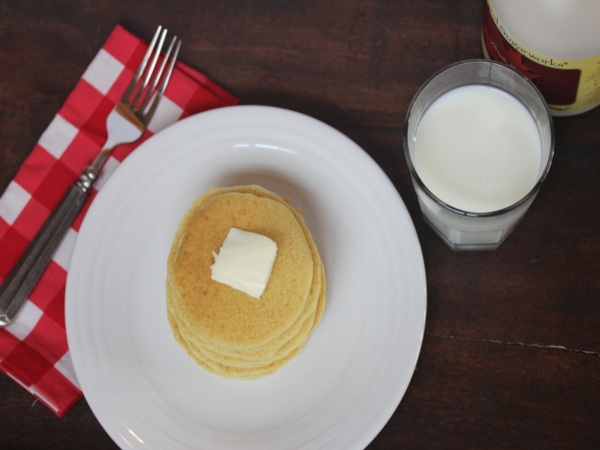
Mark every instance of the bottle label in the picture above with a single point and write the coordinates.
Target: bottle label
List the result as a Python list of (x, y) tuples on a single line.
[(569, 86)]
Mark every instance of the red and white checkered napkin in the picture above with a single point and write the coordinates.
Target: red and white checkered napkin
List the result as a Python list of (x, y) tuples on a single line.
[(33, 349)]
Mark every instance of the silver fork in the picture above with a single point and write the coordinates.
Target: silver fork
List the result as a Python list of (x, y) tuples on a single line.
[(125, 123)]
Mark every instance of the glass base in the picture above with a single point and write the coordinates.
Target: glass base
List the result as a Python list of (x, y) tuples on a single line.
[(464, 247)]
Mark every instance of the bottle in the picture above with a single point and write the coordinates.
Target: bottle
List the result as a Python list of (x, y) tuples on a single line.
[(555, 43)]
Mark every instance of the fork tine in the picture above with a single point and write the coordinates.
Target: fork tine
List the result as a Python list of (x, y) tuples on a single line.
[(165, 81), (142, 87), (142, 66), (157, 77), (163, 84)]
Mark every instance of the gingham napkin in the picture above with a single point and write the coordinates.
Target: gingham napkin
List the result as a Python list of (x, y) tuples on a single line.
[(33, 349)]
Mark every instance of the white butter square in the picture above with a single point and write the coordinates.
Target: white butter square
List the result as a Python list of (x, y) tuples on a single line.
[(245, 262)]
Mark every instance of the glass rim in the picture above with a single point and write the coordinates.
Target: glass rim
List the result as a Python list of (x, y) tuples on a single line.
[(536, 187)]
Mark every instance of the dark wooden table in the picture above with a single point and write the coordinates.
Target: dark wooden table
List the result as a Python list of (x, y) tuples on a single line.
[(511, 355)]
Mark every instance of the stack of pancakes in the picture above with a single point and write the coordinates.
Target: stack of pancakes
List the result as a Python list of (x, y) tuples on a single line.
[(225, 330)]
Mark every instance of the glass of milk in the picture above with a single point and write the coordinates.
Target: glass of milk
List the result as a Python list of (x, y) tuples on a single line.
[(479, 141)]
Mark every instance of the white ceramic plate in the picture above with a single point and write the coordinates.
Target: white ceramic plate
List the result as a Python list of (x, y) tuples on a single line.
[(344, 385)]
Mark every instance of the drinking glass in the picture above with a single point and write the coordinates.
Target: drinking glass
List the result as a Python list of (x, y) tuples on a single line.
[(467, 230)]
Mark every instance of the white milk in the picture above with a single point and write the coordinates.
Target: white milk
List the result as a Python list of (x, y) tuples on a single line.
[(478, 149)]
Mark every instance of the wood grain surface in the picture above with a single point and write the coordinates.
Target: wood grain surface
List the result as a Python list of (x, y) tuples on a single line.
[(511, 355)]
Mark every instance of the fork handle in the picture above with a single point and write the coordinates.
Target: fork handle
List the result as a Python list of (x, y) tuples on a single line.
[(25, 274)]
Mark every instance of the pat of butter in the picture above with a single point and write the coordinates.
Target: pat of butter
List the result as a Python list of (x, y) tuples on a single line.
[(245, 262)]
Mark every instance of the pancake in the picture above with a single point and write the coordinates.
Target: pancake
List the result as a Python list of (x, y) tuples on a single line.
[(260, 358), (219, 313), (316, 298), (225, 330)]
